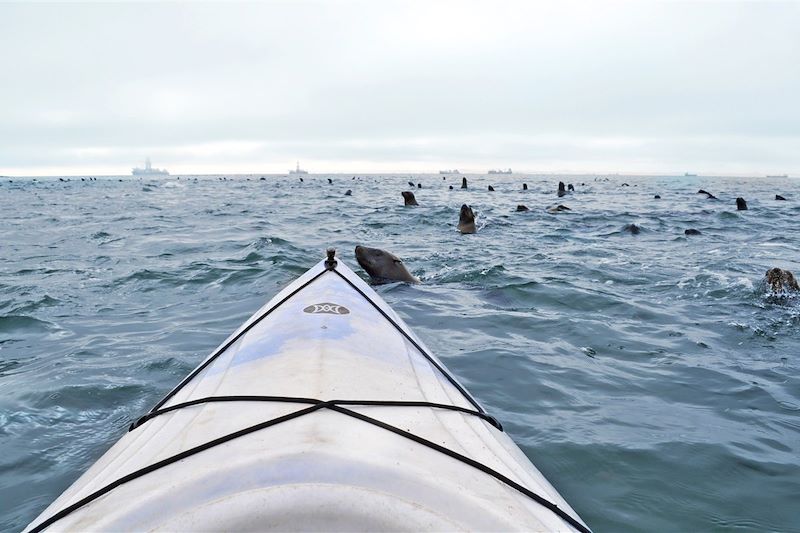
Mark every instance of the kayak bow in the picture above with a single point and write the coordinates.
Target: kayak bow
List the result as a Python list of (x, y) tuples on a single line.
[(323, 411)]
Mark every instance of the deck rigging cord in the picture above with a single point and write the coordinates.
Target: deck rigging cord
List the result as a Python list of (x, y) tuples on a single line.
[(314, 405)]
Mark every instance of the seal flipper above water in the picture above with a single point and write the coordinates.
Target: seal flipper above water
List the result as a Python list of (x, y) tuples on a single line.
[(779, 197), (708, 194), (741, 205)]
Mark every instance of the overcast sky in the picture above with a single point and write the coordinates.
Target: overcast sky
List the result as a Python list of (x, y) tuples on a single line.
[(630, 87)]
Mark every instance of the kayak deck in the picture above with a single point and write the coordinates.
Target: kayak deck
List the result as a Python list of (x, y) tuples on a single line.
[(322, 412)]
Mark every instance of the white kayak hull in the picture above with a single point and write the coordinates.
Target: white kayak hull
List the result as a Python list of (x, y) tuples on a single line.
[(255, 449)]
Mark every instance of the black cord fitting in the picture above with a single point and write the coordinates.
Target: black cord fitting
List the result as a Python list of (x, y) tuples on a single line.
[(330, 263)]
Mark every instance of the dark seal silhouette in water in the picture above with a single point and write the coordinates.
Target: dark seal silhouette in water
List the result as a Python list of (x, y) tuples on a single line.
[(779, 197), (419, 185), (708, 194), (741, 205), (383, 266), (781, 281), (491, 189), (463, 183), (348, 193), (657, 197), (330, 181), (561, 190), (570, 187), (633, 229), (466, 220), (411, 184), (557, 209), (524, 186), (408, 198), (521, 208), (691, 231), (451, 187)]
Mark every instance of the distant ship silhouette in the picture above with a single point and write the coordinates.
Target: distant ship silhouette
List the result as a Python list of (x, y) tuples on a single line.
[(149, 170), (298, 170)]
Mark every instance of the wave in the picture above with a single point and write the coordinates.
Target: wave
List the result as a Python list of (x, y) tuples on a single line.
[(24, 324)]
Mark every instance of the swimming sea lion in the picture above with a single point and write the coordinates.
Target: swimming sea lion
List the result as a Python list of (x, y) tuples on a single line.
[(691, 231), (408, 198), (633, 229), (624, 185), (451, 187), (466, 220), (348, 193), (301, 180), (522, 208), (708, 194), (657, 197), (780, 280), (330, 181), (491, 189), (557, 209), (419, 185), (570, 187), (741, 205), (463, 183), (779, 197), (524, 186), (383, 266), (561, 190), (410, 183)]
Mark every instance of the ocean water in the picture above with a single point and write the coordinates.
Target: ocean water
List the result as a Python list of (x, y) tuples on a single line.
[(650, 377)]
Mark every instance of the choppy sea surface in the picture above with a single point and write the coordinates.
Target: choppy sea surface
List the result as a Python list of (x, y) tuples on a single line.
[(651, 378)]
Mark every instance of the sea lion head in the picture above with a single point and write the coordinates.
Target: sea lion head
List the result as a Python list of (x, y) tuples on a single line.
[(781, 281), (383, 266), (408, 198), (466, 220)]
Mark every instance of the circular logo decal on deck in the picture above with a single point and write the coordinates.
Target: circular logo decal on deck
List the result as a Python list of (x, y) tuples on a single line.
[(326, 308)]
